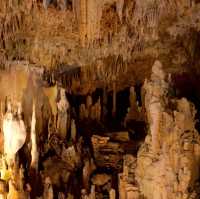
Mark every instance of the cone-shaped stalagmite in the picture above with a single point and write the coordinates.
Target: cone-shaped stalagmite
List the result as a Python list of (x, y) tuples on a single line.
[(167, 162), (34, 148), (63, 117), (156, 91)]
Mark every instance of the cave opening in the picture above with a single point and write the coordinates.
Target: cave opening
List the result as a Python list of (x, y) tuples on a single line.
[(115, 122), (138, 91), (122, 105)]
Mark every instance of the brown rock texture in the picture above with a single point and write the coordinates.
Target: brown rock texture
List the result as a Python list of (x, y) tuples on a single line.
[(99, 99)]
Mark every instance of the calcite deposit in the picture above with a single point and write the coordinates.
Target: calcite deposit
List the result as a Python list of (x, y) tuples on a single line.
[(99, 99), (167, 160)]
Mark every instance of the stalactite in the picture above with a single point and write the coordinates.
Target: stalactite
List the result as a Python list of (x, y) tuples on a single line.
[(90, 17), (62, 4), (46, 3), (82, 17), (74, 7), (52, 94), (120, 5)]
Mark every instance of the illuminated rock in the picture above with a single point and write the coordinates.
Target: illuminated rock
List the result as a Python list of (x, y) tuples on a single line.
[(14, 133)]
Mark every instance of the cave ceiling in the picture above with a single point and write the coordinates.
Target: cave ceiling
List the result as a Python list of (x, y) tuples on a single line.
[(113, 38)]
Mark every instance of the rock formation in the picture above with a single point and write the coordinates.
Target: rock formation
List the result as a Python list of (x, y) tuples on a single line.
[(155, 102), (89, 110), (48, 189), (167, 162), (63, 119), (14, 132), (34, 147), (99, 99)]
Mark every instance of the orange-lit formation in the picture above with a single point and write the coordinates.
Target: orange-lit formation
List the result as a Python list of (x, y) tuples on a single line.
[(99, 99)]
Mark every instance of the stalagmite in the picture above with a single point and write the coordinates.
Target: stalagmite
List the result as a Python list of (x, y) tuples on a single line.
[(173, 172), (122, 185), (88, 168), (7, 126), (98, 110), (21, 178), (14, 132), (5, 173), (84, 194), (13, 193), (73, 130), (90, 111), (3, 190), (61, 195), (82, 110), (86, 174), (34, 148), (156, 91), (132, 97), (92, 192), (63, 107), (134, 112), (88, 106), (112, 194), (93, 112), (89, 102), (48, 189)]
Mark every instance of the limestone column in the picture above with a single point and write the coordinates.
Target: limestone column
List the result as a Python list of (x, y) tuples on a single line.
[(34, 156), (34, 151), (83, 21)]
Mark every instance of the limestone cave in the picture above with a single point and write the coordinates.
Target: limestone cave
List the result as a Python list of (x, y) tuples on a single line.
[(99, 99)]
